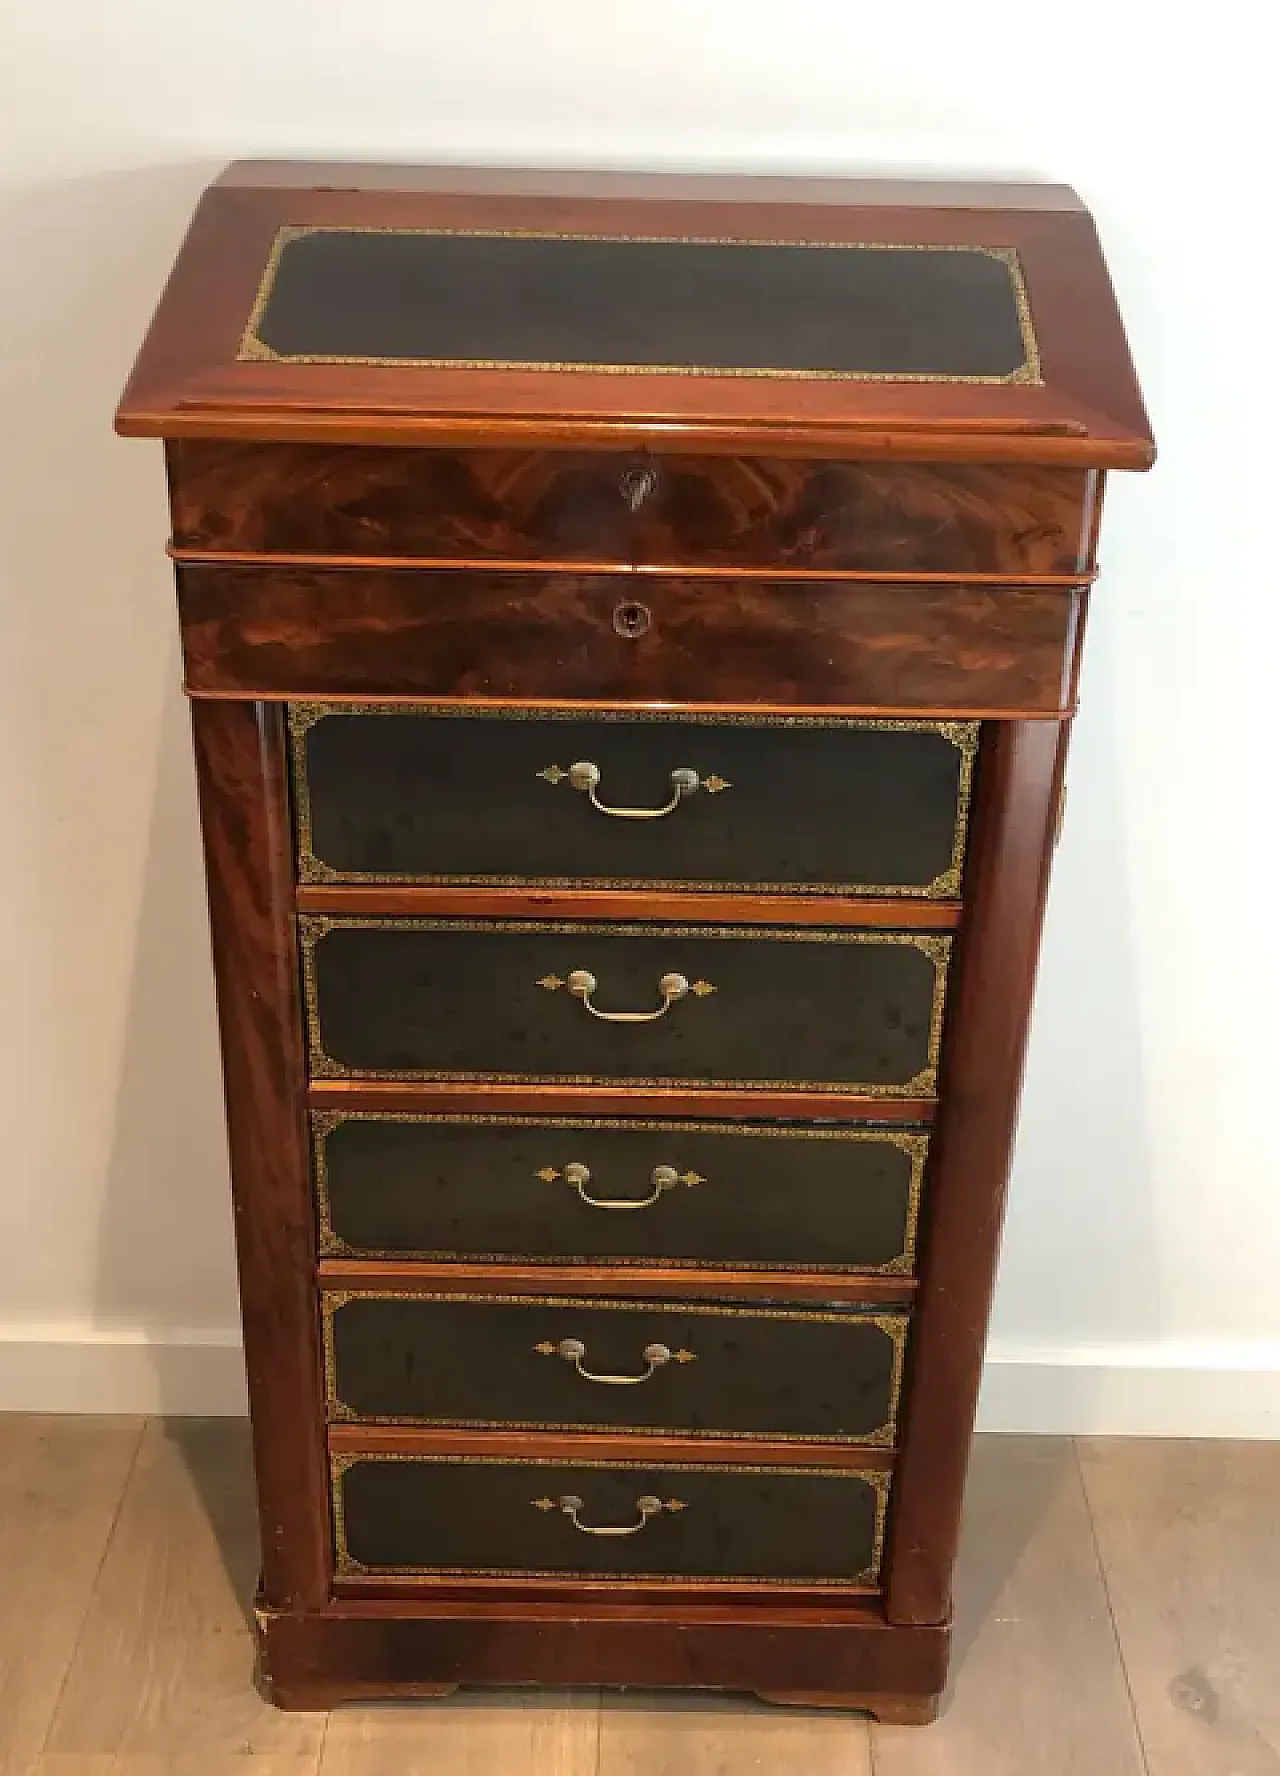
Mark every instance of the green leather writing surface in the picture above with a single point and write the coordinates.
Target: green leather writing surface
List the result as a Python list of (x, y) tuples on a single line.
[(865, 311)]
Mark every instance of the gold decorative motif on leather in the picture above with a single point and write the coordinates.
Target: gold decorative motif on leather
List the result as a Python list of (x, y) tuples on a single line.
[(963, 736), (313, 928), (254, 349), (914, 1144), (879, 1480), (892, 1324)]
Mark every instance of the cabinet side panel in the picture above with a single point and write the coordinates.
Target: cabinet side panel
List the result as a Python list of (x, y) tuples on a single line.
[(1019, 784), (240, 762)]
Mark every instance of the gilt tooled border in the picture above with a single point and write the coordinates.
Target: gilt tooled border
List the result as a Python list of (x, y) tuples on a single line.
[(253, 349), (332, 1245), (346, 1565), (892, 1324), (964, 736), (312, 927)]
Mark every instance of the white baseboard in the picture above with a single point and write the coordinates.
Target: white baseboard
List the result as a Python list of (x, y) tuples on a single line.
[(1209, 1388), (1175, 1388), (85, 1369)]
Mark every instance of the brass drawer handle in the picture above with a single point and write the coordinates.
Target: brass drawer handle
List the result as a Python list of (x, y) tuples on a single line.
[(583, 984), (585, 776), (579, 1176), (648, 1506), (655, 1356)]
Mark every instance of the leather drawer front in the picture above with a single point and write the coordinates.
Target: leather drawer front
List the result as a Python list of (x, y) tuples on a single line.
[(786, 1373), (855, 1011), (280, 631), (775, 1197), (814, 805), (614, 508), (441, 1515)]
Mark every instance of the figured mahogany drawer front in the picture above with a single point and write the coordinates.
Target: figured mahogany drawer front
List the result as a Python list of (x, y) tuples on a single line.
[(274, 631), (614, 508), (612, 1365), (813, 804), (431, 1514), (538, 1189), (858, 1011)]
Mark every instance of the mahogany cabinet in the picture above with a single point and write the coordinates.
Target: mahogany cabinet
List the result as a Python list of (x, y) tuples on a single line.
[(632, 629)]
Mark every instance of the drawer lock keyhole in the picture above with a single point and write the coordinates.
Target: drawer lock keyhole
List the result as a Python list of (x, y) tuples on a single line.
[(632, 619), (637, 484)]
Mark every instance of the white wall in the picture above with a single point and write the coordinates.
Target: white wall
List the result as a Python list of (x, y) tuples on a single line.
[(1138, 1285)]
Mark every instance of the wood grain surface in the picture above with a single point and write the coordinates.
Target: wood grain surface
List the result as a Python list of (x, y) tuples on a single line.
[(142, 1629), (950, 648), (61, 1480), (241, 776), (1084, 408), (981, 1080), (1190, 1543), (768, 513)]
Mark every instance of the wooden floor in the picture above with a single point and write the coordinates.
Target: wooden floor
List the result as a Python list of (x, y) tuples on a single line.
[(1118, 1613)]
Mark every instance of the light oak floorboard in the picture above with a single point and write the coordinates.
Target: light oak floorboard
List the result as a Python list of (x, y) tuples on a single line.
[(133, 1639), (475, 1733), (1190, 1541), (677, 1735), (1037, 1684), (197, 1764), (61, 1482), (165, 1662)]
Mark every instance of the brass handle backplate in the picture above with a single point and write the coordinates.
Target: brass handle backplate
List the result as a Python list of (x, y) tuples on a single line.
[(663, 1177), (582, 985), (647, 1505), (654, 1356), (585, 776)]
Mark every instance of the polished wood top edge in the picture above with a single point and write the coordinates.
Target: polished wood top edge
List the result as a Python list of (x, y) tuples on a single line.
[(891, 711), (190, 379), (534, 1099), (604, 1446), (460, 1276), (874, 441), (625, 182), (409, 901), (780, 576)]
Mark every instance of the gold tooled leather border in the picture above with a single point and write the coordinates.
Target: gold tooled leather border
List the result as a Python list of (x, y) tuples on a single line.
[(893, 1325), (253, 348), (332, 1245), (313, 927), (347, 1566), (964, 736)]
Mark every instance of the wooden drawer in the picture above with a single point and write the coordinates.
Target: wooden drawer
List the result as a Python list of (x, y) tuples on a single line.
[(855, 1011), (613, 508), (569, 1364), (408, 1514), (511, 1189), (960, 647), (814, 805)]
